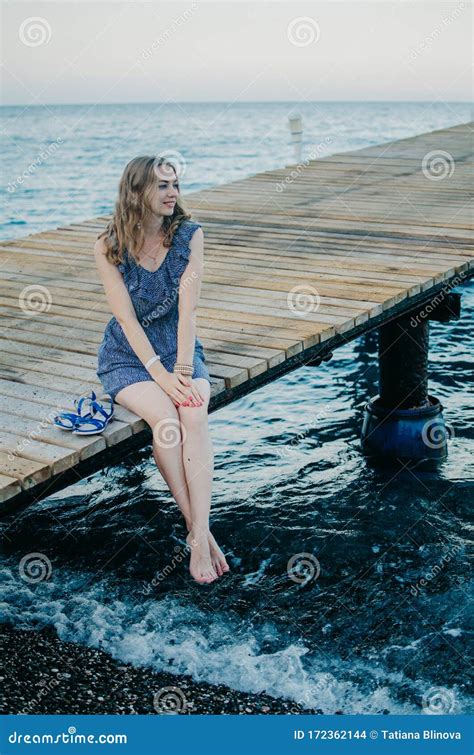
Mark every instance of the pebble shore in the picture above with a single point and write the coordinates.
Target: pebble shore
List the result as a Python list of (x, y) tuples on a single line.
[(43, 674)]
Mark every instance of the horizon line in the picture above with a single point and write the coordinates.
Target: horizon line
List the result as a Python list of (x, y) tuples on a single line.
[(240, 102)]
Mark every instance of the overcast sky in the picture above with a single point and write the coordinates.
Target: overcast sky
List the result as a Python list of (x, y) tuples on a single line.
[(90, 52)]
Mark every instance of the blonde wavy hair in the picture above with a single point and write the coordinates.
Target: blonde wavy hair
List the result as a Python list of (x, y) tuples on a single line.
[(132, 209)]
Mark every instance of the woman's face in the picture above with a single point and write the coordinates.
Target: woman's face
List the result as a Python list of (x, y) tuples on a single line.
[(165, 192)]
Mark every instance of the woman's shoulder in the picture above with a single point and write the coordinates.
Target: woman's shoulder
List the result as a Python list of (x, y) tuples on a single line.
[(100, 247), (101, 253)]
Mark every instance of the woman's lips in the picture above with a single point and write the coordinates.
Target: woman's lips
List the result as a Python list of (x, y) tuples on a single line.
[(169, 203)]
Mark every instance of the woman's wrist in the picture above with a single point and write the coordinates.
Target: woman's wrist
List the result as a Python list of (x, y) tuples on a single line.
[(183, 368), (152, 360), (157, 369)]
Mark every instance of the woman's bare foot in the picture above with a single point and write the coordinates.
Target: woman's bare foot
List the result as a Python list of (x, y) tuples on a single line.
[(200, 564), (217, 557)]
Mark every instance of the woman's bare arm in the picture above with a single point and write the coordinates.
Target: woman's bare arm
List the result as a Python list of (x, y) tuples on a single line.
[(189, 291)]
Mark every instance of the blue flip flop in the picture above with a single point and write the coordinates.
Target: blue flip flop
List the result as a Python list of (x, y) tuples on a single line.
[(68, 420), (96, 422)]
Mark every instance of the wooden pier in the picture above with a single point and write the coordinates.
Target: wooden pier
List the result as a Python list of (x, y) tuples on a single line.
[(298, 261)]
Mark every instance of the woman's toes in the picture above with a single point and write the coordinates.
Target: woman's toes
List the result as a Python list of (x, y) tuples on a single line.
[(203, 578), (218, 558), (223, 564)]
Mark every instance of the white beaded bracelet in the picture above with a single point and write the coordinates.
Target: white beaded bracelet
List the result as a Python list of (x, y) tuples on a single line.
[(156, 358)]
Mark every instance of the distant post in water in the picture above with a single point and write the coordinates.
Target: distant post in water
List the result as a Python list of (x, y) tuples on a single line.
[(296, 129)]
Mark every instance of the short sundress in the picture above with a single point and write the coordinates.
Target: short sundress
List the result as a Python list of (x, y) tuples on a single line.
[(155, 297)]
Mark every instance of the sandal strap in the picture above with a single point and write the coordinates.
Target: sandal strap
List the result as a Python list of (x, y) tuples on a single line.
[(99, 408), (93, 420), (84, 399), (99, 423), (71, 416)]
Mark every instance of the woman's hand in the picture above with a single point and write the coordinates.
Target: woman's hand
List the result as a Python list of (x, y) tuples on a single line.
[(194, 398), (179, 388)]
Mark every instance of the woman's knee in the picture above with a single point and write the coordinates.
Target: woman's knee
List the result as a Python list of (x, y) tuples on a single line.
[(163, 419), (193, 416), (149, 401)]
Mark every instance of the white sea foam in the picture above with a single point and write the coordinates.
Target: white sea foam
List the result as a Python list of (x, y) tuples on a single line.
[(168, 633)]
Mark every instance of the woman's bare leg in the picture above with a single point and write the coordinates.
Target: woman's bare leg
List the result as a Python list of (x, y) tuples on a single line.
[(178, 486), (149, 401), (198, 460)]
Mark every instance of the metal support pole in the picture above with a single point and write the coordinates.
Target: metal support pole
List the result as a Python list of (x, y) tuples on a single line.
[(403, 363), (404, 423)]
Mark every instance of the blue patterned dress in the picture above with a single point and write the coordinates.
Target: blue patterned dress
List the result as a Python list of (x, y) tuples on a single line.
[(155, 299)]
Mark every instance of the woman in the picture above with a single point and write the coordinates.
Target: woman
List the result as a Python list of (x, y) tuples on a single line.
[(150, 261)]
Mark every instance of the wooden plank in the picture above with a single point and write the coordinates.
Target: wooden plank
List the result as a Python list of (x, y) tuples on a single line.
[(26, 471), (56, 458), (9, 487)]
